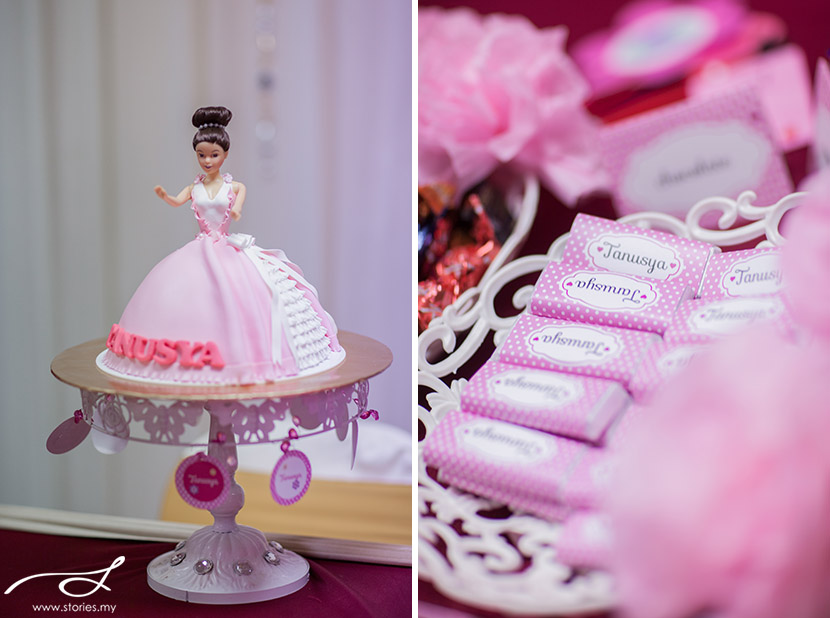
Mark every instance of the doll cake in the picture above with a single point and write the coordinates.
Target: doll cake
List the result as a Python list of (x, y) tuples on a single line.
[(220, 310)]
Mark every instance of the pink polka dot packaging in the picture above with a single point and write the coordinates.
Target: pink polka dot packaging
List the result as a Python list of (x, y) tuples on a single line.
[(583, 486), (701, 321), (526, 469), (606, 298), (595, 243), (571, 347), (743, 274), (560, 403), (619, 434), (585, 541), (551, 511), (661, 361)]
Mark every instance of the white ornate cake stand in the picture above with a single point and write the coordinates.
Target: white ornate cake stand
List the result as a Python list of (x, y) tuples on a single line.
[(475, 550), (224, 563)]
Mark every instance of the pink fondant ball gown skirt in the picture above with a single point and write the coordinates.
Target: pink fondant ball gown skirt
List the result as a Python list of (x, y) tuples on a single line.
[(262, 318)]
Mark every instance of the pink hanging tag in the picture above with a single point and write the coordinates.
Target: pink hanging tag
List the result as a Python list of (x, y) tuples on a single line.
[(67, 435), (354, 443), (202, 481), (290, 478)]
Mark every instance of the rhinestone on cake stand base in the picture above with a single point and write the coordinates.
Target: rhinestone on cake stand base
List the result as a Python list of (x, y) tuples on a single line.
[(227, 563), (224, 568)]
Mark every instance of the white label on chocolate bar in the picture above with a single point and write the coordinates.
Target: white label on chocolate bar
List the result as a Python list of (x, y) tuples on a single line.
[(608, 291), (536, 389), (758, 275), (726, 316), (575, 345), (676, 359), (505, 442), (634, 255), (695, 161)]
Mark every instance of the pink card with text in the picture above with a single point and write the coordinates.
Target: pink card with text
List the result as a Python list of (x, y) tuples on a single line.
[(668, 159)]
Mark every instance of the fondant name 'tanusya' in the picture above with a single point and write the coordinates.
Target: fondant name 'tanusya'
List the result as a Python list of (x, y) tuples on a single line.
[(164, 352)]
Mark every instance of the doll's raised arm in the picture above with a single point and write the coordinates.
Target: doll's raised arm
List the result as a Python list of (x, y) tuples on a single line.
[(239, 189), (181, 198)]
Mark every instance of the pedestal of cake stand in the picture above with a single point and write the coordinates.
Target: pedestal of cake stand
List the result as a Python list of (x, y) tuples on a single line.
[(227, 563)]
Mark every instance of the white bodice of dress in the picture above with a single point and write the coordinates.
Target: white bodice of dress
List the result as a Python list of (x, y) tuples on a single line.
[(293, 318), (213, 213)]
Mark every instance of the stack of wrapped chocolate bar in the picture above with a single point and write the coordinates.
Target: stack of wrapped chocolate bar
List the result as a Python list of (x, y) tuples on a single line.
[(624, 309)]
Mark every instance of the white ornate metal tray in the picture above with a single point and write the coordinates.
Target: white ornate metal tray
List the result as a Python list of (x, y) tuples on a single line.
[(474, 550)]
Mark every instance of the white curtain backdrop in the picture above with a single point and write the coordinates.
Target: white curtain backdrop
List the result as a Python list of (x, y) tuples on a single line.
[(95, 105)]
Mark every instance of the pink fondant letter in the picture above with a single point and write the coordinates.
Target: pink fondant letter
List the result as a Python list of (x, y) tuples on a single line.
[(211, 356), (165, 352)]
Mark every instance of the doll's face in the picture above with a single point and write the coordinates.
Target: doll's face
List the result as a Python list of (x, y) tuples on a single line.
[(210, 156)]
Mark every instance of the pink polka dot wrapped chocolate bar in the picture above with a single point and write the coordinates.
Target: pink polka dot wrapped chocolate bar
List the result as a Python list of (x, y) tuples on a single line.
[(621, 275), (743, 274), (572, 347), (595, 243), (565, 404), (738, 289), (530, 470), (703, 321)]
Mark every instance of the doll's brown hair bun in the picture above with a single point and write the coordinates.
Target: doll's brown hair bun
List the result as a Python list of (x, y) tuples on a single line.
[(210, 123)]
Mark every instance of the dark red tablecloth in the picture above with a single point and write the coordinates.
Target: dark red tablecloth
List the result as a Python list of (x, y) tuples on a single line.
[(335, 589)]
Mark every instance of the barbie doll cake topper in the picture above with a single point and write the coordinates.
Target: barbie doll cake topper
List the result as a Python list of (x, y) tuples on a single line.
[(220, 310)]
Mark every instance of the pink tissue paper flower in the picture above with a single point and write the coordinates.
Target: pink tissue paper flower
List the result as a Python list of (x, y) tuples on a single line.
[(806, 257), (497, 90), (721, 504)]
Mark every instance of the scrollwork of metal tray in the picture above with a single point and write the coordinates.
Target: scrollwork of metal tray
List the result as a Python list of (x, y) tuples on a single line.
[(474, 550)]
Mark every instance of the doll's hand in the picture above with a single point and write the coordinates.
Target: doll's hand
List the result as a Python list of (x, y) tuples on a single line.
[(236, 215), (178, 200)]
